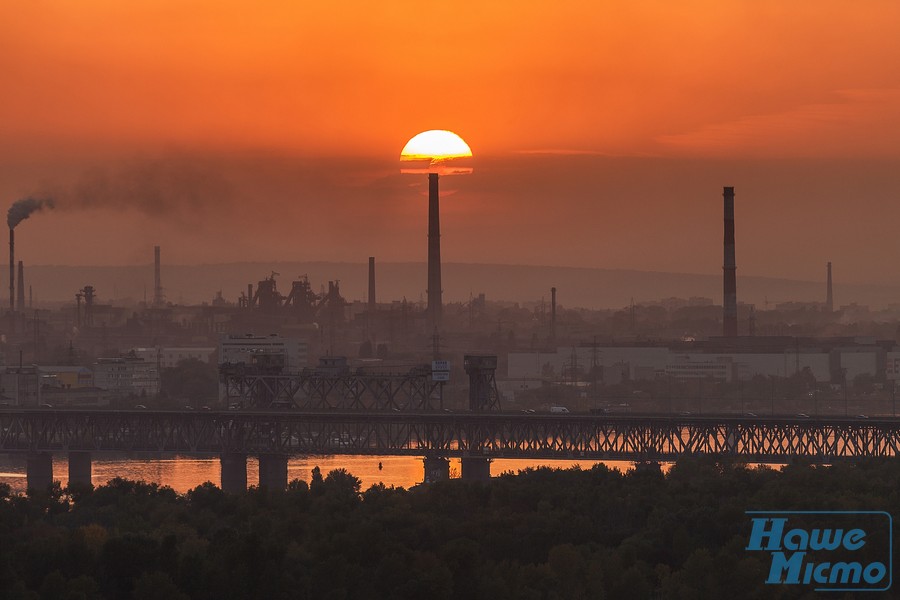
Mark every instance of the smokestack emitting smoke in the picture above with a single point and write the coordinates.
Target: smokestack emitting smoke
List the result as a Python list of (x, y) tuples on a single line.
[(22, 209), (371, 283), (18, 212), (20, 297), (829, 296), (434, 251), (730, 268)]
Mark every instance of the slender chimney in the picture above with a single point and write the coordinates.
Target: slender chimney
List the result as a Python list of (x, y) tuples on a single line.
[(20, 296), (12, 270), (434, 252), (553, 312), (371, 284), (157, 279), (829, 294), (730, 268)]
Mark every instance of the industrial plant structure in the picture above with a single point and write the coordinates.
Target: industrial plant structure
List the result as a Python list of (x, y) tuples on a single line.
[(729, 302)]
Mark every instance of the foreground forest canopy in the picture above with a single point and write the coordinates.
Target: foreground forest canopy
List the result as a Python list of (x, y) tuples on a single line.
[(543, 533)]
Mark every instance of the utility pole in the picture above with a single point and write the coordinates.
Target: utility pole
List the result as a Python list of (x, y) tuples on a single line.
[(35, 327), (773, 395), (844, 376), (594, 367), (574, 366), (632, 316), (700, 395)]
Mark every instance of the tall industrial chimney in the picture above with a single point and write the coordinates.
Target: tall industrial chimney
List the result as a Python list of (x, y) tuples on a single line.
[(371, 284), (730, 268), (20, 296), (434, 252), (12, 270), (829, 295), (553, 312), (157, 279)]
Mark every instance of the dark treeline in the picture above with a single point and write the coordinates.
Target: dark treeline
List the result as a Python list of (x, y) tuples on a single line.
[(544, 533)]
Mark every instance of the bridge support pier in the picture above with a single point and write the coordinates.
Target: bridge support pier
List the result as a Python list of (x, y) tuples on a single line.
[(234, 472), (80, 468), (436, 469), (273, 471), (39, 471), (476, 468)]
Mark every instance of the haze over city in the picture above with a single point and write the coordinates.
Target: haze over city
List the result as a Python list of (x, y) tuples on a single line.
[(449, 300), (602, 133)]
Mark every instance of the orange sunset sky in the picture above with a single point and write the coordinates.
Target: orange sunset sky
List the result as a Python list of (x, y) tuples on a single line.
[(603, 131)]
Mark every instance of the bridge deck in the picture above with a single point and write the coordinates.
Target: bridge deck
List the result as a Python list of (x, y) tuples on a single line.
[(774, 439)]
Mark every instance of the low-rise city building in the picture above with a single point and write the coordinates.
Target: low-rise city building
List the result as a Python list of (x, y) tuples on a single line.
[(127, 375)]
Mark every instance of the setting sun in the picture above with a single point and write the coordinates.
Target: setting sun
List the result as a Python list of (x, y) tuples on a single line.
[(436, 151)]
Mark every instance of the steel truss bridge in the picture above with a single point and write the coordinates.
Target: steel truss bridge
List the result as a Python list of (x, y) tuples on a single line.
[(314, 390), (445, 434)]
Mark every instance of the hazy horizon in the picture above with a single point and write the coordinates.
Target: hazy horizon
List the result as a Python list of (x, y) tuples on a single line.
[(583, 287), (602, 134)]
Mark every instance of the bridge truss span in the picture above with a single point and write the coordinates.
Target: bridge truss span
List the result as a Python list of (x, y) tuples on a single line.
[(313, 390), (418, 433)]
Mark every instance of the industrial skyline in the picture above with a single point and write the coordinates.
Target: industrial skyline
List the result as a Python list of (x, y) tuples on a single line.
[(233, 289), (595, 149)]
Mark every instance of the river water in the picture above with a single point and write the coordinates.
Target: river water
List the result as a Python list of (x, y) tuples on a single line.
[(183, 473)]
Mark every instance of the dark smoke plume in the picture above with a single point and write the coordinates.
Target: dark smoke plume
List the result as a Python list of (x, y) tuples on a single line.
[(22, 209)]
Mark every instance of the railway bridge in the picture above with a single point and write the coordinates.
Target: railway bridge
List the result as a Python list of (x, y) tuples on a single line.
[(436, 436)]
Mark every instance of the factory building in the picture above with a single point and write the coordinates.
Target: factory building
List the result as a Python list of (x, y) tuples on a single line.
[(66, 377), (291, 354), (169, 357), (71, 386), (20, 386), (833, 361), (127, 375)]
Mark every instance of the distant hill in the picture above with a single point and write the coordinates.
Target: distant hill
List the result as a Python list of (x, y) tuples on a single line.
[(577, 287)]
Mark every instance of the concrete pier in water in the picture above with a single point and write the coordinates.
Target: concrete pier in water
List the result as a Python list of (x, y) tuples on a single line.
[(39, 470), (234, 472), (80, 468), (476, 468), (273, 471)]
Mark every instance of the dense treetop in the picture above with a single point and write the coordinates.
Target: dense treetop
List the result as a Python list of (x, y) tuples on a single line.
[(543, 533)]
